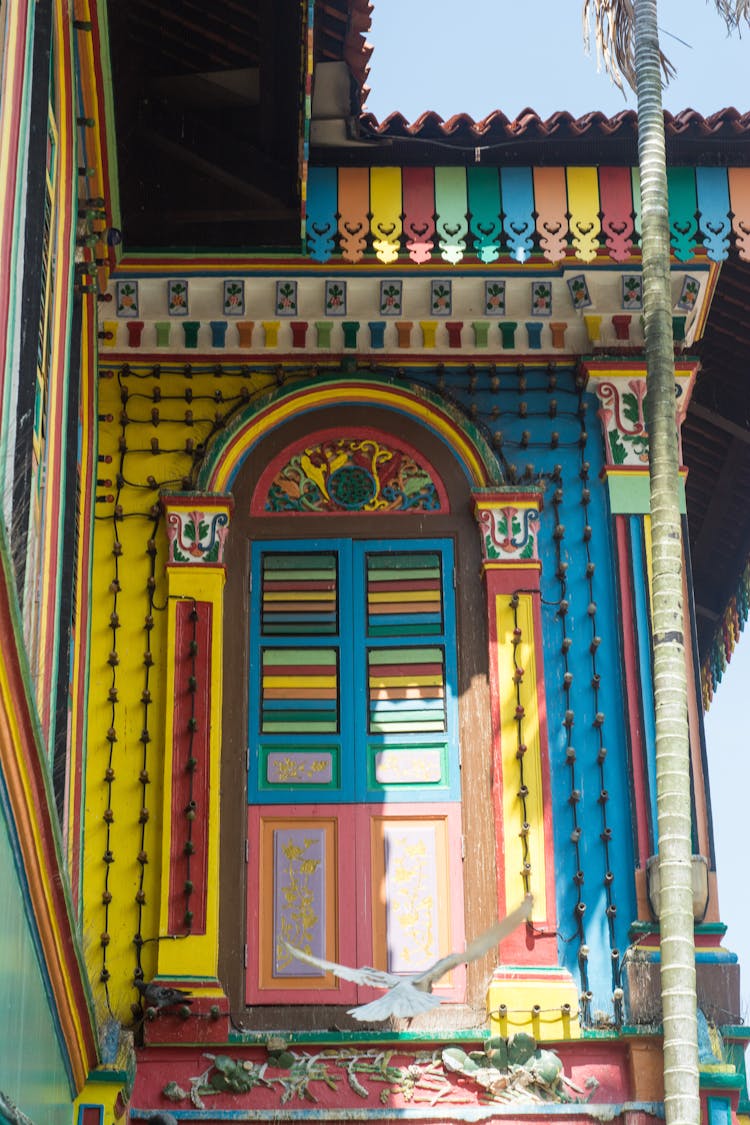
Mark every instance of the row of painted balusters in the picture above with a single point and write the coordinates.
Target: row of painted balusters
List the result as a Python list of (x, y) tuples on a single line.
[(483, 335)]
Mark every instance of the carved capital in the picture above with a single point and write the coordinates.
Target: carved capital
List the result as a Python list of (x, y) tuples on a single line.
[(197, 526), (621, 390), (509, 526)]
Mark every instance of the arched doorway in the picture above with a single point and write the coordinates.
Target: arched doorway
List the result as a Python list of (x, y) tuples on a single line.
[(350, 736)]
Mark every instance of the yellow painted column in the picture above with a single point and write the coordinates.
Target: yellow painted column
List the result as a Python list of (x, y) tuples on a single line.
[(101, 1100), (528, 991), (197, 526)]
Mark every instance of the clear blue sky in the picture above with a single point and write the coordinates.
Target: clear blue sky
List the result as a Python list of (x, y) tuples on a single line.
[(478, 56)]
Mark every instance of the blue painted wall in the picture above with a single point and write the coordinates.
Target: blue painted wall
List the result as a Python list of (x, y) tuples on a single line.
[(528, 412)]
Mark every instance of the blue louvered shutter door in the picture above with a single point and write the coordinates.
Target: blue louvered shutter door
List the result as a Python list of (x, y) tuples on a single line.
[(300, 685), (407, 627)]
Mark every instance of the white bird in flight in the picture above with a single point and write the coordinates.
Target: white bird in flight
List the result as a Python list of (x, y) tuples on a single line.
[(407, 996)]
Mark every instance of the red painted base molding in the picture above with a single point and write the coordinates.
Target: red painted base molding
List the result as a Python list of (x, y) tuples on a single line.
[(351, 1075), (205, 1021)]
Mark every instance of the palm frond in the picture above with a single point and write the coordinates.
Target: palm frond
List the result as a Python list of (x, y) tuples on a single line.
[(614, 35), (733, 12)]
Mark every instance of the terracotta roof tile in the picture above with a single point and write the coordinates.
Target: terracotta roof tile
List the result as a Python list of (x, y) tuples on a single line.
[(528, 123), (723, 138)]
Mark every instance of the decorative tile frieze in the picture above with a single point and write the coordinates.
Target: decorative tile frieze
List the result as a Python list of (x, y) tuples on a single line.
[(126, 298), (335, 298), (441, 297), (200, 304), (691, 287), (391, 297), (494, 298), (177, 296), (234, 297), (286, 298), (579, 292), (632, 292), (541, 298)]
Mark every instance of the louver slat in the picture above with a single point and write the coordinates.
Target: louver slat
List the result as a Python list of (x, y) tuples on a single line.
[(299, 595), (406, 690), (299, 691), (404, 594)]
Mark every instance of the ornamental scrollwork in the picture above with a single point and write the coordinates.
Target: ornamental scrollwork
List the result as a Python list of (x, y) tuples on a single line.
[(622, 415), (352, 475), (197, 536), (509, 533)]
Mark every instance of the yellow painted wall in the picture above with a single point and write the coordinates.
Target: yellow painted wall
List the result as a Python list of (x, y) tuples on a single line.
[(525, 693), (128, 835)]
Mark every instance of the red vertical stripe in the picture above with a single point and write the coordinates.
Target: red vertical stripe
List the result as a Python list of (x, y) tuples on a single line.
[(190, 785), (633, 691)]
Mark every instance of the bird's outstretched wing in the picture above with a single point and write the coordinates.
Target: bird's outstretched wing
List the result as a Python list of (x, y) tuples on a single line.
[(401, 1000), (373, 978), (478, 947)]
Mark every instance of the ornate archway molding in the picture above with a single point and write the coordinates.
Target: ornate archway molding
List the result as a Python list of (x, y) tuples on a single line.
[(462, 437)]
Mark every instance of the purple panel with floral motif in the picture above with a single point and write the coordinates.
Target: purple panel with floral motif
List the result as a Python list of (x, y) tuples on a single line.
[(401, 767), (299, 899), (290, 767), (412, 922)]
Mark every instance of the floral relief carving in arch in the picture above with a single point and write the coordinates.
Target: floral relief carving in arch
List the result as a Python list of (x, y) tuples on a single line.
[(349, 472)]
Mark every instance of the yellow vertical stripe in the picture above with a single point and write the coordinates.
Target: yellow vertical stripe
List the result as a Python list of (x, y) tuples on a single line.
[(649, 570), (385, 205), (513, 809), (583, 205)]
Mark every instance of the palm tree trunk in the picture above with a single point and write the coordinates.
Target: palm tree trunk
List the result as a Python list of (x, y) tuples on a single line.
[(681, 1103), (627, 40)]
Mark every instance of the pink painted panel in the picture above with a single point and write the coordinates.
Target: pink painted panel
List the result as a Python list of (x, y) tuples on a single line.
[(633, 688), (610, 1073), (301, 877), (361, 885), (616, 200), (418, 185), (416, 900)]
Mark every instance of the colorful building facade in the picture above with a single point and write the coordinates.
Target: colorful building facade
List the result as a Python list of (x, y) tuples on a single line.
[(325, 579)]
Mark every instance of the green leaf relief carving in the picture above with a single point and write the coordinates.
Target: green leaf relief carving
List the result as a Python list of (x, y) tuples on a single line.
[(630, 407), (619, 453)]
